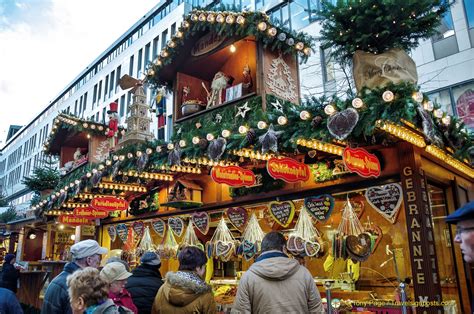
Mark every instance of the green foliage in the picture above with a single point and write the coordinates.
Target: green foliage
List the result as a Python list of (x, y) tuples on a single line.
[(44, 177), (248, 28), (3, 200), (8, 215), (378, 25), (322, 171)]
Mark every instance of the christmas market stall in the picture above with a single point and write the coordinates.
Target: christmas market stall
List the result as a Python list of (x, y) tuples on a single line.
[(359, 185)]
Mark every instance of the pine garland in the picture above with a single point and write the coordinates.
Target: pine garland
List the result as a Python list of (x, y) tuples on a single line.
[(378, 25)]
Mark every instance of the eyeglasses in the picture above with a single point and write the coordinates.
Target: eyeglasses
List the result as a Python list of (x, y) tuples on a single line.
[(460, 230)]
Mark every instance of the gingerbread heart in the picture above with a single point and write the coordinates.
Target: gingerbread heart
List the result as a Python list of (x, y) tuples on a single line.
[(320, 207), (311, 248), (282, 212), (224, 249), (248, 246), (112, 233), (295, 244), (176, 224), (139, 228), (359, 247), (341, 124), (238, 217), (386, 200), (122, 232), (201, 221), (159, 226)]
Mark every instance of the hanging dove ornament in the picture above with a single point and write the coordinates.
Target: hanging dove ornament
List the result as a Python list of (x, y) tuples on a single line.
[(269, 140), (216, 148), (174, 157)]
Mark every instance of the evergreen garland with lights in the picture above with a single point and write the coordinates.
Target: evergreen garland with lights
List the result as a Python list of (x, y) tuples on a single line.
[(378, 25)]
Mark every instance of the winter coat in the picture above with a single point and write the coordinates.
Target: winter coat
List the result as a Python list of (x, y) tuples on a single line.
[(277, 284), (9, 303), (184, 292), (124, 299), (143, 285), (56, 298), (9, 277), (109, 307)]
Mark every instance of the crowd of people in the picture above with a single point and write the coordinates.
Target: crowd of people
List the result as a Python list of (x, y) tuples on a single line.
[(275, 283)]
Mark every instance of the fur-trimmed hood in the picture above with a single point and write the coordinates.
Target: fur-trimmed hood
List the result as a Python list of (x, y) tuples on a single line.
[(182, 287)]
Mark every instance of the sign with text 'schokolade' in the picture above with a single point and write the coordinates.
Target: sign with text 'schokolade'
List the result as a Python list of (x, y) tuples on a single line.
[(109, 203), (288, 169), (90, 213), (360, 161), (73, 221), (233, 176)]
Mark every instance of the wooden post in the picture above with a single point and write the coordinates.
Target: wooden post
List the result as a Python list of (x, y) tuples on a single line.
[(420, 232)]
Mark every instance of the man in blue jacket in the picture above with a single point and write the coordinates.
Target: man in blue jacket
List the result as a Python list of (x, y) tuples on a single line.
[(86, 253), (9, 303)]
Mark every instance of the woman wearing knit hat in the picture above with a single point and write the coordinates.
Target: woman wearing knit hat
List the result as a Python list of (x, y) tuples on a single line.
[(116, 275), (145, 282), (9, 275)]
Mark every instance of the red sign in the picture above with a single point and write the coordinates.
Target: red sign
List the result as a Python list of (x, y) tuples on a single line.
[(90, 213), (362, 162), (109, 203), (287, 169), (233, 175), (73, 221)]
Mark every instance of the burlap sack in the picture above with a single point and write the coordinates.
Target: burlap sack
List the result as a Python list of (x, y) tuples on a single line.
[(373, 70)]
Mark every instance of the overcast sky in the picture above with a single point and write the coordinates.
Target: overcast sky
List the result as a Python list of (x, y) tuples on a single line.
[(45, 44)]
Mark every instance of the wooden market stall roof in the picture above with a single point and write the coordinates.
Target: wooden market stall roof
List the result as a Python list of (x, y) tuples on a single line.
[(231, 26)]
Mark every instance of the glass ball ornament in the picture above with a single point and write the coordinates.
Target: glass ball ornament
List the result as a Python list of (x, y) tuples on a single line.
[(428, 105), (225, 133), (299, 46), (282, 120), (240, 20), (417, 96), (220, 18), (195, 140), (211, 18), (438, 113), (446, 120), (171, 44), (243, 129), (357, 103), (387, 96), (262, 26), (304, 115), (186, 24), (121, 157), (272, 32), (202, 17), (182, 143), (158, 149), (307, 51), (170, 146), (139, 154), (149, 151), (209, 137), (164, 53), (194, 17), (329, 109), (230, 19), (282, 37), (115, 158), (290, 41), (179, 34), (261, 125), (130, 155)]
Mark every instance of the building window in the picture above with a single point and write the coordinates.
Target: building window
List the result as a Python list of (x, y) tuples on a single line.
[(164, 38), (106, 86), (100, 91), (94, 96), (130, 68), (457, 100), (327, 65), (469, 10), (147, 53), (173, 29), (122, 105), (155, 47), (445, 42), (117, 80), (139, 65), (299, 14), (84, 104), (112, 83)]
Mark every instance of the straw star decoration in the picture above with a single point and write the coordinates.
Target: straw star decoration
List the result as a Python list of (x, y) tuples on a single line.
[(242, 110)]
